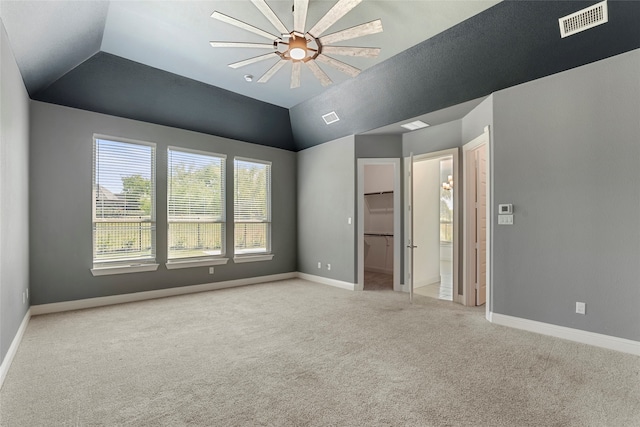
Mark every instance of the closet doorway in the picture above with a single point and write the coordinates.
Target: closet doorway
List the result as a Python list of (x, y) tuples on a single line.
[(379, 224), (432, 225)]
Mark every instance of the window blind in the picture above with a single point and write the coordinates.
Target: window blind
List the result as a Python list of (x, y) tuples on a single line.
[(196, 204), (252, 206), (123, 202)]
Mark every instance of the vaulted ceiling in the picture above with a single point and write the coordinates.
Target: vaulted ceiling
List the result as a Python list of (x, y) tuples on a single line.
[(151, 61)]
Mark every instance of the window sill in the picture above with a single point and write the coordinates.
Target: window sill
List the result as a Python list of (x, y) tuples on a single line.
[(252, 258), (123, 269), (172, 265)]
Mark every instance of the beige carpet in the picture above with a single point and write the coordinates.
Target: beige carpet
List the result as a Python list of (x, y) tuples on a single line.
[(294, 353)]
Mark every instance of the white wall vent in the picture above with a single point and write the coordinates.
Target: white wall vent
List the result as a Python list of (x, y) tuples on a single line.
[(584, 19), (331, 117)]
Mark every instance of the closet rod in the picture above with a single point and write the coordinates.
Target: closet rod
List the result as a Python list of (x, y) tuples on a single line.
[(378, 192), (378, 234)]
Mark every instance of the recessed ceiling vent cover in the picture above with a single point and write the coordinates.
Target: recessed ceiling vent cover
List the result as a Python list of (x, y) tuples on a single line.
[(331, 117), (584, 19)]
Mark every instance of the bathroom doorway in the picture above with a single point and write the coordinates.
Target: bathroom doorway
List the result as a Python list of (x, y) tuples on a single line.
[(432, 220)]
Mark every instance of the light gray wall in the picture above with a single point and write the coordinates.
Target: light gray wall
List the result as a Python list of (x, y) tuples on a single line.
[(567, 155), (378, 146), (14, 199), (60, 191), (431, 139), (473, 124), (326, 199)]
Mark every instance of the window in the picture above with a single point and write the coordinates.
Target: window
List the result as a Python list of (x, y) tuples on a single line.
[(252, 208), (123, 203), (196, 205)]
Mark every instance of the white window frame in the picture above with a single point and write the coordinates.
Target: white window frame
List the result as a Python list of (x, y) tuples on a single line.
[(133, 265), (266, 255), (199, 261)]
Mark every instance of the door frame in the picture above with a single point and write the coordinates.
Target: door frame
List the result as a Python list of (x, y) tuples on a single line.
[(468, 297), (397, 239), (455, 153)]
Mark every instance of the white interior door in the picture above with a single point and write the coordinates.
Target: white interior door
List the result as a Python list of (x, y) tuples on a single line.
[(477, 197), (410, 244), (481, 224)]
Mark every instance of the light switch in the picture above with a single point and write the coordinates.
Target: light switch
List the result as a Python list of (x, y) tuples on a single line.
[(505, 219)]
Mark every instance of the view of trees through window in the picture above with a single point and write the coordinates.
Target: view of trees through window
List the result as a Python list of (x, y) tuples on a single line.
[(124, 189), (124, 203), (252, 206), (196, 204)]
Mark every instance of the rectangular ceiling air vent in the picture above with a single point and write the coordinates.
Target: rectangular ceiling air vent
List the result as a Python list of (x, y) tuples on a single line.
[(584, 19), (331, 117), (418, 124)]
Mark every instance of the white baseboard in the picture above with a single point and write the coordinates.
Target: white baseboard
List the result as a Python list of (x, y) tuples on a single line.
[(57, 307), (577, 335), (326, 281), (13, 348)]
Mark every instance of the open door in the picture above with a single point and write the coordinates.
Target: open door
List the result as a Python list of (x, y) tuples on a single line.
[(410, 244), (431, 225), (475, 221)]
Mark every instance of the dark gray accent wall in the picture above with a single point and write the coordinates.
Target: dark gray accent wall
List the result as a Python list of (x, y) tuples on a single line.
[(14, 196), (326, 199), (60, 196), (113, 85), (508, 44), (567, 156)]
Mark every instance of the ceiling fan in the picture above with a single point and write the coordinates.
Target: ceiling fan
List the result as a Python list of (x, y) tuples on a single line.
[(300, 47)]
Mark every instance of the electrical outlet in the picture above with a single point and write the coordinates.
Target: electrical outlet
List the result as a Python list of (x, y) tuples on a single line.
[(349, 220), (581, 307), (319, 264), (328, 266), (210, 270)]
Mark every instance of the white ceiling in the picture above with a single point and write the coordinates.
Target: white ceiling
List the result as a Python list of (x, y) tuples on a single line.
[(51, 37)]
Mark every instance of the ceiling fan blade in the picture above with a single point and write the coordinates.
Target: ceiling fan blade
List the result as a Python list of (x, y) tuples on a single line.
[(336, 12), (295, 74), (241, 44), (320, 75), (372, 27), (233, 21), (368, 52), (270, 15), (266, 76), (253, 60), (339, 65), (300, 15)]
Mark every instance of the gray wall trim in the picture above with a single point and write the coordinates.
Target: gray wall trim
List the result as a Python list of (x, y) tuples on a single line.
[(60, 191)]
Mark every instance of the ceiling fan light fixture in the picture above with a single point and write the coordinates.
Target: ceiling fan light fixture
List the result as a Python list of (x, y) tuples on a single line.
[(297, 53), (297, 48)]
